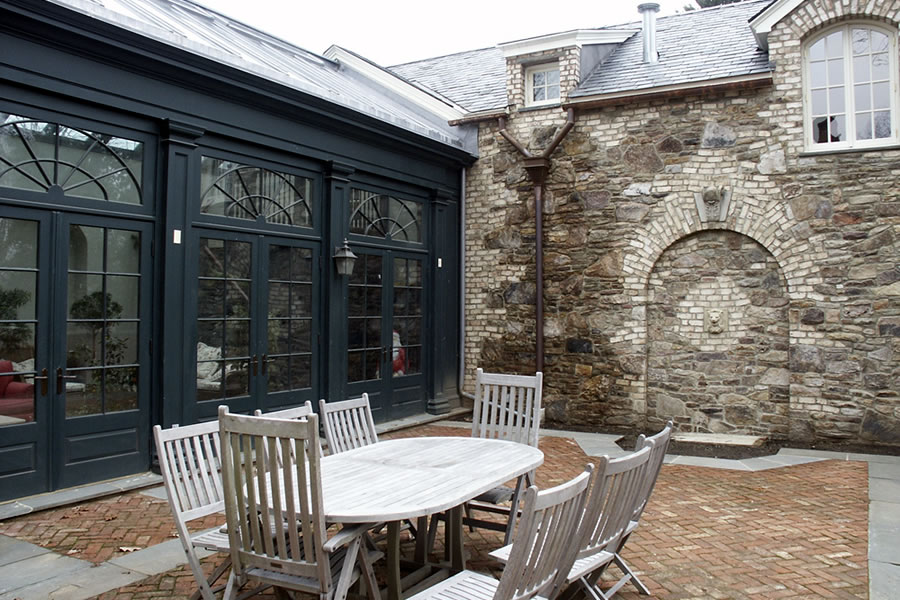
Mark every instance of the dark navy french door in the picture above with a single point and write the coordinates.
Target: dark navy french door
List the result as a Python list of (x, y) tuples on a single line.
[(75, 306), (258, 337)]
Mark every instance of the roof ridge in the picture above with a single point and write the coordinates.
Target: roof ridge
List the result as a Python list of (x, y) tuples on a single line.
[(412, 62)]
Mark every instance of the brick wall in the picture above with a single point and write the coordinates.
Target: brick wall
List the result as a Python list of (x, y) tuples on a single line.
[(624, 201)]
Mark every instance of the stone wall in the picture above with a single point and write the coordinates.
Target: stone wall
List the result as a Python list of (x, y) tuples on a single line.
[(633, 189)]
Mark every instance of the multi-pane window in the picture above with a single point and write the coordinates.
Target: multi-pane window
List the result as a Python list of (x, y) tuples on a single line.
[(851, 83), (542, 84)]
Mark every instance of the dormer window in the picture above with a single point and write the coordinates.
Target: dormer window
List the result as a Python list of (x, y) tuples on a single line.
[(851, 86), (542, 84)]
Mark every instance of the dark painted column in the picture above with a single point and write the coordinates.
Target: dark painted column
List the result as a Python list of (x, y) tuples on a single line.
[(174, 347), (441, 318), (337, 201)]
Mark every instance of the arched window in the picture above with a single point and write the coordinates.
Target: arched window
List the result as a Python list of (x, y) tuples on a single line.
[(851, 88)]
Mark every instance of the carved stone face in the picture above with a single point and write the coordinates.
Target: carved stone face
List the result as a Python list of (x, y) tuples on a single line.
[(715, 321), (712, 198)]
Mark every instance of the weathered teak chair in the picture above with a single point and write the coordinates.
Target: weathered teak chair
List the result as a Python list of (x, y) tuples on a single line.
[(348, 424), (614, 495), (660, 443), (297, 412), (261, 497), (541, 553), (507, 407), (190, 462)]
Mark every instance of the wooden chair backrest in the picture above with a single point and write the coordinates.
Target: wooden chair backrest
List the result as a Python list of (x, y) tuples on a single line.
[(262, 496), (542, 550), (296, 412), (660, 443), (507, 407), (615, 492), (191, 467), (348, 424)]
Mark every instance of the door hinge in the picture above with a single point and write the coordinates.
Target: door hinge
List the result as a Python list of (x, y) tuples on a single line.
[(150, 346), (152, 248)]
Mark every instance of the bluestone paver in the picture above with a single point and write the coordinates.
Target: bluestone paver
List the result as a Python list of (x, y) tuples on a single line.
[(78, 585), (13, 550), (885, 578), (155, 559), (36, 569)]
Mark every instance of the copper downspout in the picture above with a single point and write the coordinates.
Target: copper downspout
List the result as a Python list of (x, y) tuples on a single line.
[(537, 168)]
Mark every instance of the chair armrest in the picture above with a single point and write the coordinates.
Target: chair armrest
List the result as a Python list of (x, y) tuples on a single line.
[(345, 536)]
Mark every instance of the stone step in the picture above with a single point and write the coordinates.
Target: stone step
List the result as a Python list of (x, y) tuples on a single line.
[(719, 439)]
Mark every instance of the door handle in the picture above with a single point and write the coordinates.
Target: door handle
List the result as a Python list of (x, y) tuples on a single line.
[(43, 377), (264, 363), (60, 378)]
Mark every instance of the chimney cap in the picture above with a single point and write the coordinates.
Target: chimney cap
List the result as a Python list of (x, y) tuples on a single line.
[(648, 6)]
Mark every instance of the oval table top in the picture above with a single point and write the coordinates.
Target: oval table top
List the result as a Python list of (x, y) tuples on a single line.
[(414, 477)]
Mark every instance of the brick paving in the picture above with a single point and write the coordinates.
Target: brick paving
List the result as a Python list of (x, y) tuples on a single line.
[(793, 532)]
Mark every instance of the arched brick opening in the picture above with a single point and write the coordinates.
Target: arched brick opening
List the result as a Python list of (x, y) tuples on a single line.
[(718, 337)]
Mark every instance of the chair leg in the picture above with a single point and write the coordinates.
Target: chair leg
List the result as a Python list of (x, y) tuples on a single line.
[(513, 511), (230, 588), (367, 573), (630, 576), (206, 587), (592, 590), (343, 584)]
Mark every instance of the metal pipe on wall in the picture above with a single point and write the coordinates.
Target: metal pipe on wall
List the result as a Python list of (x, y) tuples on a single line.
[(537, 169)]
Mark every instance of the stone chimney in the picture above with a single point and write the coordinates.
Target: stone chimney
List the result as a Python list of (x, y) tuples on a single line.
[(648, 11)]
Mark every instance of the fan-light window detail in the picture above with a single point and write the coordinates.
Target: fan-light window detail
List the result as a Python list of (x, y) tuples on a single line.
[(238, 191), (386, 217), (39, 156), (852, 88), (542, 85)]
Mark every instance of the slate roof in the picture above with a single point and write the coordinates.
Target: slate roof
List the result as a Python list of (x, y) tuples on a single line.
[(207, 33), (694, 46), (476, 80)]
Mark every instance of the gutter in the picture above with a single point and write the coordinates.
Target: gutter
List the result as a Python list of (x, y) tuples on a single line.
[(537, 168), (479, 117), (706, 87)]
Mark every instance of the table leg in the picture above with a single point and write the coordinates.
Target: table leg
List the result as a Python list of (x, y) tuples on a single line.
[(393, 561), (454, 538)]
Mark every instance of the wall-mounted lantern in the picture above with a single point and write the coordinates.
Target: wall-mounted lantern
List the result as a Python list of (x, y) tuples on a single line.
[(344, 259)]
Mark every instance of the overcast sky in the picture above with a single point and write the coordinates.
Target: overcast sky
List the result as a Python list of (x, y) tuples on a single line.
[(391, 32)]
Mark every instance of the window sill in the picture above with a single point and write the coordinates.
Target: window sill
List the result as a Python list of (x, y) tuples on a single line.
[(885, 148), (540, 106)]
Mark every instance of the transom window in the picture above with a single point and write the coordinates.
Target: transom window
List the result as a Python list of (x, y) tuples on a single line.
[(241, 191), (39, 156), (386, 217), (542, 84), (852, 88)]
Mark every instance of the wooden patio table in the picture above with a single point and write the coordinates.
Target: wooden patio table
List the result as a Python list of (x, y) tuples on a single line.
[(412, 478)]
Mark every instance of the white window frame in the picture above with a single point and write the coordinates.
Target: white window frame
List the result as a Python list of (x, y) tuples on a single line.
[(851, 142), (529, 84)]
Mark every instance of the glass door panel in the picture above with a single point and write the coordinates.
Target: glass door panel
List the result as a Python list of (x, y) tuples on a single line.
[(406, 353), (288, 363), (102, 320), (365, 314), (223, 318), (18, 319)]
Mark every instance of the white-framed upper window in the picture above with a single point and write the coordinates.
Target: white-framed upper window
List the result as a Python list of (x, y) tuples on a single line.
[(851, 88), (542, 84)]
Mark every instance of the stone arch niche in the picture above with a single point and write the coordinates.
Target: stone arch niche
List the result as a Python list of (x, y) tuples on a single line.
[(718, 337)]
